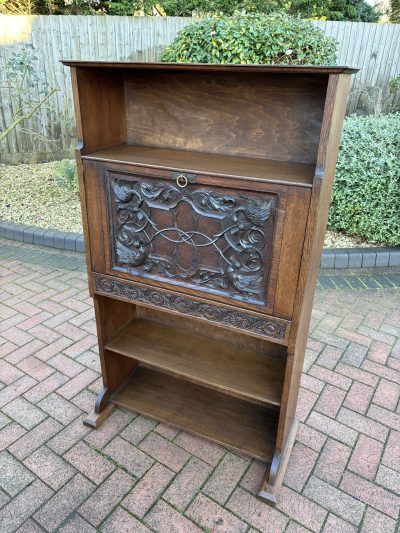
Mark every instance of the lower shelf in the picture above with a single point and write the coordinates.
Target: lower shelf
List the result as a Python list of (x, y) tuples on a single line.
[(240, 425)]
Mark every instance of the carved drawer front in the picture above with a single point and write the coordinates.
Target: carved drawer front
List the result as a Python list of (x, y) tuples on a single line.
[(215, 241)]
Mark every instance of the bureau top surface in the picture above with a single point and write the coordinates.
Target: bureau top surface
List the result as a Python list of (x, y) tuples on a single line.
[(291, 69)]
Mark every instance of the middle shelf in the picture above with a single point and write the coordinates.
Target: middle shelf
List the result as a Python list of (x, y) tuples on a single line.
[(244, 373)]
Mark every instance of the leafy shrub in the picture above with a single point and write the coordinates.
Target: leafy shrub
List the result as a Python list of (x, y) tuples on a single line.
[(66, 174), (252, 38), (366, 193)]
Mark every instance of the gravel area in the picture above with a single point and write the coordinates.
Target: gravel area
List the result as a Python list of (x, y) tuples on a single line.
[(29, 194)]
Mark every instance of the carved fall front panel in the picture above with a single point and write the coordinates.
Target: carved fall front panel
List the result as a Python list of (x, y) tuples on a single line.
[(203, 238)]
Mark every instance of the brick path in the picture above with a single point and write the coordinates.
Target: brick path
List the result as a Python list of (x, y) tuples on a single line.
[(134, 475)]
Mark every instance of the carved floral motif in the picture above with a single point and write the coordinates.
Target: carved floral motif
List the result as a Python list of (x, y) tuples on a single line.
[(239, 243), (267, 327)]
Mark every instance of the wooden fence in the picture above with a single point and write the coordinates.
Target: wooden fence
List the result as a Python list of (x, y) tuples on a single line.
[(375, 48)]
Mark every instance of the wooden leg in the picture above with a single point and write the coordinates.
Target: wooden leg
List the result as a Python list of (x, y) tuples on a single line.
[(273, 478), (102, 410)]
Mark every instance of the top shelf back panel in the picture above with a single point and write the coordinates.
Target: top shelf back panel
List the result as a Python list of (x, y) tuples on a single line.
[(264, 112)]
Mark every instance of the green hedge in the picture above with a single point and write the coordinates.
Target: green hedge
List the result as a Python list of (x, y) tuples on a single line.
[(252, 38), (366, 192)]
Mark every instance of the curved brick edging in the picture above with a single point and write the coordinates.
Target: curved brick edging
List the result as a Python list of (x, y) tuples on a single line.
[(337, 258)]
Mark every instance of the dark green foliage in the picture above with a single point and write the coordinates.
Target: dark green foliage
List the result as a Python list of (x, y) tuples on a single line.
[(366, 193), (66, 175), (355, 10), (267, 39)]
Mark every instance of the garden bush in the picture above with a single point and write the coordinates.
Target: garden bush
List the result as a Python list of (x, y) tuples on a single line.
[(254, 38), (366, 192), (66, 175)]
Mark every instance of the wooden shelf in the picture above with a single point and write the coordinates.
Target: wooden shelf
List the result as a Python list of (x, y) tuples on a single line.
[(213, 164), (247, 374), (240, 425)]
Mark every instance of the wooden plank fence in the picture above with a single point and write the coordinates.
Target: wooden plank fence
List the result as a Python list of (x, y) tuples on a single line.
[(375, 48)]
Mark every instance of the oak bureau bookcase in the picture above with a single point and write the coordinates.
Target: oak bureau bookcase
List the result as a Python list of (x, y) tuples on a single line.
[(205, 192)]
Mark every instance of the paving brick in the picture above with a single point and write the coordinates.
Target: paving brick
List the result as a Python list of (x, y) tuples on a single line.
[(32, 440), (388, 478), (305, 403), (311, 437), (359, 397), (10, 434), (354, 354), (76, 524), (147, 491), (366, 457), (77, 384), (64, 502), (67, 366), (330, 401), (81, 346), (164, 518), (14, 476), (333, 428), (45, 334), (49, 467), (166, 431), (164, 451), (213, 517), (225, 477), (187, 483), (332, 462), (387, 394), (113, 425), (359, 375), (391, 456), (138, 429), (301, 509), (69, 330), (133, 460), (334, 524), (383, 371), (90, 360), (17, 336), (48, 351), (45, 387), (15, 389), (23, 412), (371, 494), (35, 368), (330, 377), (376, 335), (18, 510), (292, 528), (106, 497), (390, 419), (69, 436), (8, 373), (376, 522), (58, 408), (312, 384), (329, 357), (253, 477), (85, 400), (334, 500), (363, 424), (30, 527), (354, 336), (122, 522), (301, 463), (256, 513), (327, 338), (89, 462)]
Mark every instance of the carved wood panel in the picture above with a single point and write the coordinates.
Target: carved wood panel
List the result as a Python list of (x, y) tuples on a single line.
[(200, 237)]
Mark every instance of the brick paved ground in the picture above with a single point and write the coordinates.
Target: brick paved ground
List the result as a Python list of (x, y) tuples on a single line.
[(134, 475)]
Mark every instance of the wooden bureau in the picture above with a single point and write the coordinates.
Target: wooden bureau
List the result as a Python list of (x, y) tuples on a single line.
[(205, 192)]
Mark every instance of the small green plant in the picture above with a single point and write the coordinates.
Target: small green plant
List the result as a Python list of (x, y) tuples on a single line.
[(66, 174), (366, 199), (393, 101), (253, 38)]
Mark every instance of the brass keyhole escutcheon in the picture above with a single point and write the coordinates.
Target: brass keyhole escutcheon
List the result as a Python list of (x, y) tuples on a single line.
[(181, 181)]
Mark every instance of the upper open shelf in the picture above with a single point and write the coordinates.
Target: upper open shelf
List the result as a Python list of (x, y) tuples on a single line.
[(213, 164)]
